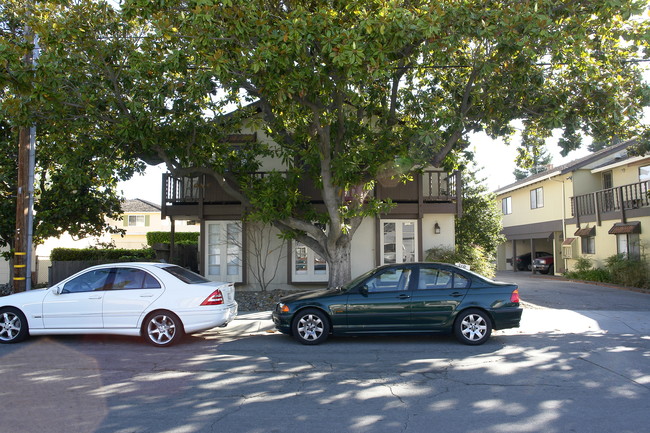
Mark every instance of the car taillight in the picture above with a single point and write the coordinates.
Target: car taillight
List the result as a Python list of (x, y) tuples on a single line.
[(514, 297), (216, 298)]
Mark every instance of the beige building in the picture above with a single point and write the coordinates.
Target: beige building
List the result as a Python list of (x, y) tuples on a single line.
[(232, 250), (140, 217), (593, 207)]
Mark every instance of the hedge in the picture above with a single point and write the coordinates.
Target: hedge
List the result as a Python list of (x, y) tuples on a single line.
[(75, 254), (179, 238)]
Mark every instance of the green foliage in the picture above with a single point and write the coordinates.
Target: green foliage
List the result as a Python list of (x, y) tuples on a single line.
[(180, 238), (480, 223), (475, 256), (628, 272), (618, 270), (583, 264), (351, 93), (532, 161), (72, 254)]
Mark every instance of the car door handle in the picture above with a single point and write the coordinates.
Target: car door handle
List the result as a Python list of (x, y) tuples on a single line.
[(95, 297), (403, 296), (147, 296), (456, 295)]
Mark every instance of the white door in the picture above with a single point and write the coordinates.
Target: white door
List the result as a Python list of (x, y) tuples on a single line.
[(399, 241), (224, 251), (79, 306)]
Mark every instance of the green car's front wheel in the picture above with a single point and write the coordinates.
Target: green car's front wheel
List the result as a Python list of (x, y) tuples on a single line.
[(310, 326)]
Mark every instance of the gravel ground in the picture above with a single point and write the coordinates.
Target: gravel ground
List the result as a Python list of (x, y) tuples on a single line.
[(260, 301)]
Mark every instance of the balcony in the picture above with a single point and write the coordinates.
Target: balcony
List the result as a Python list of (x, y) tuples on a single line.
[(431, 188), (620, 200)]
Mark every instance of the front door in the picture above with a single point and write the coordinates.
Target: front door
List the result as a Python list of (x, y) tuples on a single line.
[(79, 305), (384, 304)]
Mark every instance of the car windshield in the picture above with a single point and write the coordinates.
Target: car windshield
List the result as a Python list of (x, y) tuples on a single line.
[(357, 280), (185, 275)]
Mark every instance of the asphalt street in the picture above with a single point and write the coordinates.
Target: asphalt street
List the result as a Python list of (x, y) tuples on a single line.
[(580, 362)]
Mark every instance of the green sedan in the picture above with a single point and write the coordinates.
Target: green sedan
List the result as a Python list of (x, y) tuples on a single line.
[(406, 298)]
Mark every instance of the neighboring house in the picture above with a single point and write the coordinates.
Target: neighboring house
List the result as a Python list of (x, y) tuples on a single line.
[(593, 207), (140, 217), (423, 218)]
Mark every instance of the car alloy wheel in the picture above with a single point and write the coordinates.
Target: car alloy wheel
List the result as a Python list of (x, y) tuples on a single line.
[(473, 327), (311, 327), (13, 326), (163, 329)]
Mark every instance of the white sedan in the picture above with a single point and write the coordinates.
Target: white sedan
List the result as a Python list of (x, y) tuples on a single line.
[(160, 302)]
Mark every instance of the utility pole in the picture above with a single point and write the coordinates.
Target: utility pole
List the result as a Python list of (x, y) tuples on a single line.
[(22, 206), (25, 193)]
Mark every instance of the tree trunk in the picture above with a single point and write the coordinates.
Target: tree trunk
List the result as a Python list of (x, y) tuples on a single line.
[(340, 266)]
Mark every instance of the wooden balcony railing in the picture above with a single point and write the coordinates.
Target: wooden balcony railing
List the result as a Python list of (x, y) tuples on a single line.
[(618, 199), (432, 186)]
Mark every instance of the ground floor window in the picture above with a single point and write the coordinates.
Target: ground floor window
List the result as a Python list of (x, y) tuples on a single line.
[(588, 244), (224, 251), (628, 245), (398, 241), (306, 265)]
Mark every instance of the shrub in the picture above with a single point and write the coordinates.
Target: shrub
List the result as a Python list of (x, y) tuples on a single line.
[(180, 238), (628, 272), (474, 256), (583, 264), (115, 254)]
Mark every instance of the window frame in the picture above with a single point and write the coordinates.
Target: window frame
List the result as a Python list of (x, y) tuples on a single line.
[(311, 259), (506, 205), (399, 241), (222, 250), (632, 245), (588, 244), (537, 198)]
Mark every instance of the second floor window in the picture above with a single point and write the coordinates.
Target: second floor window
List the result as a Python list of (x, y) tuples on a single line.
[(537, 198), (506, 205), (137, 221)]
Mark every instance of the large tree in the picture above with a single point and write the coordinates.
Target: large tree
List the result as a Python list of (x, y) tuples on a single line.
[(77, 164), (350, 91)]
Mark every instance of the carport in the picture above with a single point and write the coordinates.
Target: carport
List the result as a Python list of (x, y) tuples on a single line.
[(546, 237)]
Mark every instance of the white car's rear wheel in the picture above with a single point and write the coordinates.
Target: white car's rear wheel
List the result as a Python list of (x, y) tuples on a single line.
[(162, 328)]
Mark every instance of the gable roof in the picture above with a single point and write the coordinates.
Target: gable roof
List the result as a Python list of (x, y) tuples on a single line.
[(596, 157), (139, 206)]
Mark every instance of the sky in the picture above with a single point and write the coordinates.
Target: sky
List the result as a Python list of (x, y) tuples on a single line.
[(494, 157)]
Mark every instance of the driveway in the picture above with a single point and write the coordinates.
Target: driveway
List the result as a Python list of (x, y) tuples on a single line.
[(557, 305)]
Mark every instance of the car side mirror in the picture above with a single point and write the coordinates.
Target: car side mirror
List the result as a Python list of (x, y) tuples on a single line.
[(363, 290), (57, 290)]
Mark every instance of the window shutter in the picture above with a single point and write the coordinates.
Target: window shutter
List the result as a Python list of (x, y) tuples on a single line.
[(146, 220)]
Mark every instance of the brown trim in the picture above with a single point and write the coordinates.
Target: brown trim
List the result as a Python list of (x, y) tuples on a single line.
[(625, 228), (587, 231), (568, 241)]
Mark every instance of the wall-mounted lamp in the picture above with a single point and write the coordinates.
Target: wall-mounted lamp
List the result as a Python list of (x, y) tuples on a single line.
[(436, 228)]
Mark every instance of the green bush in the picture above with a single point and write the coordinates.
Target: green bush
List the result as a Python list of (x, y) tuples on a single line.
[(583, 264), (628, 272), (180, 238), (115, 254), (474, 256)]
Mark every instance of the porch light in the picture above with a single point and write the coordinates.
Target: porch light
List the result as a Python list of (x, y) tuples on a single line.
[(436, 228)]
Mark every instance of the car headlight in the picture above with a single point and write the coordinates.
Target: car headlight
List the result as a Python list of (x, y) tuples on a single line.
[(283, 308)]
